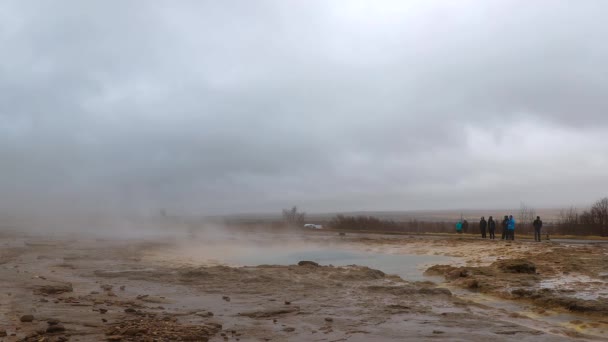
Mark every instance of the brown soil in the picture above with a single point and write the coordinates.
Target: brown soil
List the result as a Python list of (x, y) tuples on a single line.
[(518, 278), (86, 289)]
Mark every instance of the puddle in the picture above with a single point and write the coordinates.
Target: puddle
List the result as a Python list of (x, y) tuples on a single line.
[(408, 267)]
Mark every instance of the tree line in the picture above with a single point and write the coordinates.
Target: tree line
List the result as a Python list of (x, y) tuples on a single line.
[(592, 221)]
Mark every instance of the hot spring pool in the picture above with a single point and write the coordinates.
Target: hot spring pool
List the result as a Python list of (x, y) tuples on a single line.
[(408, 267)]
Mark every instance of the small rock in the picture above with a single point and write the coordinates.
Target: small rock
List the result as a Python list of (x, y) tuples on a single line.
[(130, 310), (103, 311), (104, 320), (308, 263), (122, 288), (287, 302), (27, 318), (133, 331), (289, 329), (31, 335), (3, 333), (114, 338), (472, 283), (437, 332), (52, 321), (55, 328), (226, 298), (458, 273), (53, 289), (106, 287), (329, 319)]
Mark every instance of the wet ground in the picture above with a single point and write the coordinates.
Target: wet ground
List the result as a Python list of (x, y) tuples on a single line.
[(248, 287)]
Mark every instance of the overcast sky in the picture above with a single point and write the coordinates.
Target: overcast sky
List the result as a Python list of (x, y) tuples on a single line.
[(213, 107)]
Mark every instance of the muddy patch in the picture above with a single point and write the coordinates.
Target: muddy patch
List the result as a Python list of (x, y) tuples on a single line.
[(517, 279)]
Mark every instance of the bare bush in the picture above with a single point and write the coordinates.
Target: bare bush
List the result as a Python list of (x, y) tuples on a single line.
[(526, 217), (365, 223), (293, 218), (599, 214), (590, 222), (568, 220)]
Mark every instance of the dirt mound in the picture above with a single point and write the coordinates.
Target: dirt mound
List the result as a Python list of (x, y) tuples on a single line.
[(53, 289), (308, 263), (357, 273), (157, 329), (515, 266), (495, 279), (439, 270), (271, 312), (206, 271)]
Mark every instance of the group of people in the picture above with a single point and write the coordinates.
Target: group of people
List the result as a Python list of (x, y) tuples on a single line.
[(508, 227)]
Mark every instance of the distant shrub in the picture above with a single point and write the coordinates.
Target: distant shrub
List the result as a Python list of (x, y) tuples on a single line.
[(364, 223)]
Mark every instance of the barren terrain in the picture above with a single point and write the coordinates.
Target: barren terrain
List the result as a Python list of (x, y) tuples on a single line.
[(188, 287)]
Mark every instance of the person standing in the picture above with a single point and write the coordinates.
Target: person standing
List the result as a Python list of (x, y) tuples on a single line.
[(491, 227), (465, 226), (459, 227), (511, 228), (482, 226), (538, 224), (505, 224)]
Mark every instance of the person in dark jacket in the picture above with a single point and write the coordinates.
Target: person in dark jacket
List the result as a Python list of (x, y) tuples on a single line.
[(465, 226), (538, 224), (482, 226), (505, 224), (491, 227)]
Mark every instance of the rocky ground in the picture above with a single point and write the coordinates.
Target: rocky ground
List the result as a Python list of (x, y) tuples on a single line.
[(79, 288)]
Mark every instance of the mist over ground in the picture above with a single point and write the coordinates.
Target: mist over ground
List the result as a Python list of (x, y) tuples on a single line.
[(212, 108)]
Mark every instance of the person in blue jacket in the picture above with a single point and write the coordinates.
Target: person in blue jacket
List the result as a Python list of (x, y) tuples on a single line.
[(459, 227), (511, 228)]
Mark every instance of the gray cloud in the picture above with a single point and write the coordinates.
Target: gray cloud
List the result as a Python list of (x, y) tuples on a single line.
[(216, 107)]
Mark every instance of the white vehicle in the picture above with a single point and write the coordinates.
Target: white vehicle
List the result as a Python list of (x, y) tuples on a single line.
[(313, 226)]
